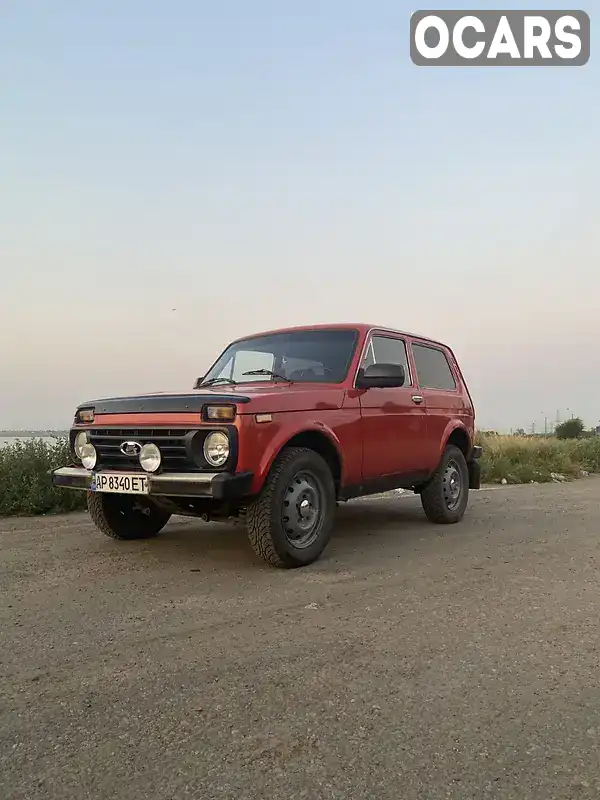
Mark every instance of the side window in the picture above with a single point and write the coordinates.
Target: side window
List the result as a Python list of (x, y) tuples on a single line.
[(433, 369), (386, 350), (246, 360)]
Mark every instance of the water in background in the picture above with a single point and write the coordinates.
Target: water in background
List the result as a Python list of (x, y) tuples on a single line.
[(11, 439)]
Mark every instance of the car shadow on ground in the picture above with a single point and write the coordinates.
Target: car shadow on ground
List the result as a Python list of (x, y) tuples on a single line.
[(392, 524)]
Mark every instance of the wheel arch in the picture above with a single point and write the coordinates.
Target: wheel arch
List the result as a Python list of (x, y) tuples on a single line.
[(459, 437), (317, 438)]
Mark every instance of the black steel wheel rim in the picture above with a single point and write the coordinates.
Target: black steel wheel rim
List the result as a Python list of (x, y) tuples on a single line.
[(302, 510), (452, 485)]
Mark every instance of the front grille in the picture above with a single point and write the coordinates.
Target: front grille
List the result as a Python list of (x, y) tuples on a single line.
[(171, 441)]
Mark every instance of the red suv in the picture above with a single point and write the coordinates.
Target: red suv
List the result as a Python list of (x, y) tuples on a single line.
[(283, 426)]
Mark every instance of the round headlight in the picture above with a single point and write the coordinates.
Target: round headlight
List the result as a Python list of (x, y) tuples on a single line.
[(216, 448), (80, 441), (88, 455), (150, 457)]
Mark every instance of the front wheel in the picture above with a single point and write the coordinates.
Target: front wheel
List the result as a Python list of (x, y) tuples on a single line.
[(126, 516), (291, 521), (446, 494)]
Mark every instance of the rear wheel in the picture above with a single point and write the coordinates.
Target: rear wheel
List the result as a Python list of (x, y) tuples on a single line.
[(290, 523), (125, 516), (446, 494)]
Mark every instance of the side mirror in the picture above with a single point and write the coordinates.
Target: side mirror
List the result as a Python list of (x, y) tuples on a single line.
[(198, 382), (381, 376)]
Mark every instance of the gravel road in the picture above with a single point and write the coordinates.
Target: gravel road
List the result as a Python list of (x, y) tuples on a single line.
[(412, 662)]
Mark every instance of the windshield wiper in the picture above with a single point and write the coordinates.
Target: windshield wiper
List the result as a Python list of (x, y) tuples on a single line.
[(210, 381), (268, 372)]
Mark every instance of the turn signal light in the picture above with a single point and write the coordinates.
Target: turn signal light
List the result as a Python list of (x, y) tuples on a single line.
[(84, 415), (219, 413)]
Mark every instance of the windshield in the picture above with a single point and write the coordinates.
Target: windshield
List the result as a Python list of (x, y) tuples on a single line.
[(300, 356)]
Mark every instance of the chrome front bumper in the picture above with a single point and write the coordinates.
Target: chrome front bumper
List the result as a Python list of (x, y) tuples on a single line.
[(218, 485)]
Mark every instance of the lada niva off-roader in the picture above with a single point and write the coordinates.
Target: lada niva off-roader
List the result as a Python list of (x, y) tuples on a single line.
[(282, 427)]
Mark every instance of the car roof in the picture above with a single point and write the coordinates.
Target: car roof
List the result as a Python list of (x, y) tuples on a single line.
[(362, 327)]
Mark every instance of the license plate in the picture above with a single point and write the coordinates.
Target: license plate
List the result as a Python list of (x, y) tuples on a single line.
[(119, 483)]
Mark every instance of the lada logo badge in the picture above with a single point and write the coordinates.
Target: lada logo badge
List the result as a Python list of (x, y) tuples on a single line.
[(131, 448)]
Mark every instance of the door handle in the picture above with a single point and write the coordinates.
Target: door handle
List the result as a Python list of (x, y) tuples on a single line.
[(416, 398)]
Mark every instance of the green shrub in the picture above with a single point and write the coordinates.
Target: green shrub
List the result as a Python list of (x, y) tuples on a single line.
[(25, 486), (570, 429)]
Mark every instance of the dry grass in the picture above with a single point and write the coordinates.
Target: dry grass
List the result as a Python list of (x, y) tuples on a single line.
[(522, 459)]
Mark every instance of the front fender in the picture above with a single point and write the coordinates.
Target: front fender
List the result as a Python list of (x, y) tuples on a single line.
[(284, 435)]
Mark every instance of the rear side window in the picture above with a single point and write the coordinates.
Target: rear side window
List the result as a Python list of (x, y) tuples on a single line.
[(433, 369)]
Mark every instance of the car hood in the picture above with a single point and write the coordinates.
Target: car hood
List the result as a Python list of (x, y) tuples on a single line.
[(249, 399)]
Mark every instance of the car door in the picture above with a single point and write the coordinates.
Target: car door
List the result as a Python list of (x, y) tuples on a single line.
[(393, 420), (439, 385)]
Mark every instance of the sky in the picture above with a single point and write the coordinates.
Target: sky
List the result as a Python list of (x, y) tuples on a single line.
[(255, 165)]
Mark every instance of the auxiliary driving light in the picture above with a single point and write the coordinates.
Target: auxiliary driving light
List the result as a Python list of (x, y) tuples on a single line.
[(216, 448), (150, 457), (88, 455)]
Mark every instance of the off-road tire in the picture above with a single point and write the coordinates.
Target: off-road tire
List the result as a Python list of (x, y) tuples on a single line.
[(433, 500), (111, 515), (264, 515)]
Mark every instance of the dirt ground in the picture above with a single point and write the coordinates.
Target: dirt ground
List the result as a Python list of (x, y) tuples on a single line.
[(412, 662)]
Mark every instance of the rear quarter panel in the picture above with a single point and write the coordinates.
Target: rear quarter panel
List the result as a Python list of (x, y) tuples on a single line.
[(447, 410), (467, 411)]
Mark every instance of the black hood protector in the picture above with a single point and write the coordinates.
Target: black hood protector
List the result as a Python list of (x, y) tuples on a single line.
[(163, 403)]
